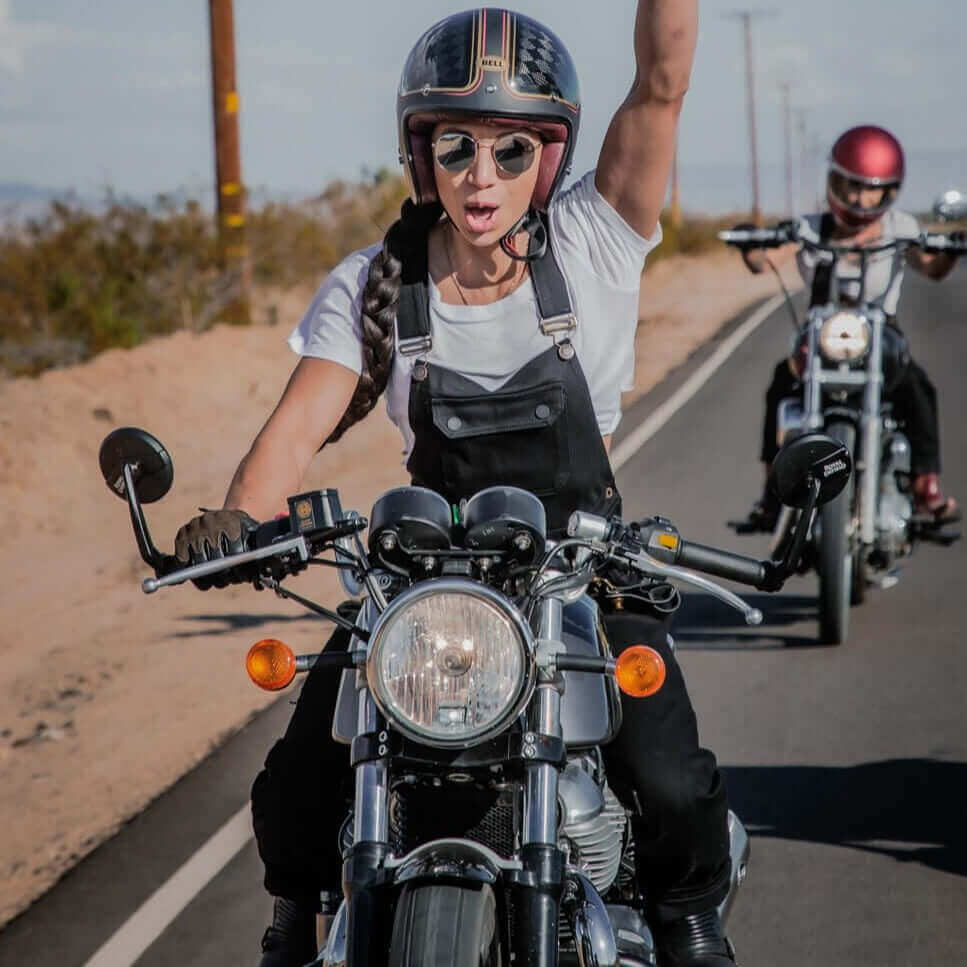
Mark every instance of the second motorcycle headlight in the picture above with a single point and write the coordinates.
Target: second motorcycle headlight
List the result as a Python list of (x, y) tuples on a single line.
[(450, 665), (844, 337)]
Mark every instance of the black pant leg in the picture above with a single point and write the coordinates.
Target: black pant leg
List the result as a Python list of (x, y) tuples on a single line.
[(783, 385), (915, 405), (657, 767), (300, 798)]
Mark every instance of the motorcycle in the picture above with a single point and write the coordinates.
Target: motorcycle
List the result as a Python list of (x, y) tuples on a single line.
[(848, 357), (476, 695)]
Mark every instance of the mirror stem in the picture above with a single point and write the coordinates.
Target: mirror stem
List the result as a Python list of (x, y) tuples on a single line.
[(149, 553)]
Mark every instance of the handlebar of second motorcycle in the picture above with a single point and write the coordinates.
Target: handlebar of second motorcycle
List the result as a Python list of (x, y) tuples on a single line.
[(751, 237)]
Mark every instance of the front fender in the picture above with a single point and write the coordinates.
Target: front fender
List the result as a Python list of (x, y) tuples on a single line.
[(450, 859)]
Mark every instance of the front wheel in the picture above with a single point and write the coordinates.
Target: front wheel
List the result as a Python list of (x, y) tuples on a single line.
[(835, 558), (444, 925)]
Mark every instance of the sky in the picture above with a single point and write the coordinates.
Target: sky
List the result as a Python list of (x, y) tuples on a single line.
[(98, 94)]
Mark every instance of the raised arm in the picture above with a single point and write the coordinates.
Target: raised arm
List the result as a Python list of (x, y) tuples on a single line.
[(640, 144)]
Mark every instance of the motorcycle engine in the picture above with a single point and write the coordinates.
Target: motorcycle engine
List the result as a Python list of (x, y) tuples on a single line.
[(593, 825), (895, 507)]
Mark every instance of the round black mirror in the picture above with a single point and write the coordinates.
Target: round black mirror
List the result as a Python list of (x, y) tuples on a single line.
[(808, 458), (151, 466)]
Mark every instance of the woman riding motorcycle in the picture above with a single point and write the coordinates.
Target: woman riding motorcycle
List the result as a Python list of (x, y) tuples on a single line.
[(446, 309), (866, 169)]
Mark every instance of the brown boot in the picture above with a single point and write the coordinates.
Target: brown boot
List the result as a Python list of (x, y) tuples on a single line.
[(929, 502)]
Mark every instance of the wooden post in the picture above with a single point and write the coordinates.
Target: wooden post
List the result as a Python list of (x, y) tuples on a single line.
[(229, 188)]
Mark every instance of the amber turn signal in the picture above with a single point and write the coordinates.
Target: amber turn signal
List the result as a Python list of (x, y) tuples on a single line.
[(640, 671), (270, 664)]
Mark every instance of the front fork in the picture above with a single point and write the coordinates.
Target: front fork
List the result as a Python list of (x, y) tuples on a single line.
[(866, 461), (536, 888)]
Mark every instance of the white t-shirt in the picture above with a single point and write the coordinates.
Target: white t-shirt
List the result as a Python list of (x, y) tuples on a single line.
[(884, 270), (601, 258)]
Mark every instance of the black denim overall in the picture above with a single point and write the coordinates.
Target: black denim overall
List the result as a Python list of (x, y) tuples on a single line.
[(539, 432)]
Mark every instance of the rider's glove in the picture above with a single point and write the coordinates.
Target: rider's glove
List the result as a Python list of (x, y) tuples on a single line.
[(211, 535), (959, 238)]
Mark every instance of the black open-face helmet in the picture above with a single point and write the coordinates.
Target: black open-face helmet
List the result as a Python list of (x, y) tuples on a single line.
[(495, 64)]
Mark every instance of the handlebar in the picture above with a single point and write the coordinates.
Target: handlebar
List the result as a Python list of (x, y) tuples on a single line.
[(785, 232)]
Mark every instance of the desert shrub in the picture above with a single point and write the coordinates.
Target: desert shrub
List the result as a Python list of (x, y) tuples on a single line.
[(74, 282)]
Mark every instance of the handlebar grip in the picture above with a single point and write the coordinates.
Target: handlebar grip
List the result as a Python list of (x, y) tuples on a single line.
[(723, 564), (754, 237)]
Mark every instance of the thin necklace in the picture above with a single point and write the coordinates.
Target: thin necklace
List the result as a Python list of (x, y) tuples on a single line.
[(453, 271)]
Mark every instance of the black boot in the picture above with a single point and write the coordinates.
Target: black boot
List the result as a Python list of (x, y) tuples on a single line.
[(291, 940), (694, 941)]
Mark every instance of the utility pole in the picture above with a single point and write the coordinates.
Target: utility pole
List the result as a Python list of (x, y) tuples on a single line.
[(803, 158), (745, 16), (229, 188), (787, 138)]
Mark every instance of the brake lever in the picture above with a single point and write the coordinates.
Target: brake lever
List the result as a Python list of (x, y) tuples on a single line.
[(297, 544), (652, 567)]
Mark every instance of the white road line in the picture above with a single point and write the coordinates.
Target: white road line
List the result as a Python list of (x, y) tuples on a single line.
[(635, 440), (160, 909), (149, 921)]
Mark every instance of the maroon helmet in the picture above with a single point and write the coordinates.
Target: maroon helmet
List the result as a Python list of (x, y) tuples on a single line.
[(489, 63), (865, 175)]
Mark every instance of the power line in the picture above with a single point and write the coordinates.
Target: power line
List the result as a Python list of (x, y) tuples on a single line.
[(746, 16)]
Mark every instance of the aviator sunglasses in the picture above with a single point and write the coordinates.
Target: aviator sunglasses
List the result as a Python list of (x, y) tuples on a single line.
[(456, 151)]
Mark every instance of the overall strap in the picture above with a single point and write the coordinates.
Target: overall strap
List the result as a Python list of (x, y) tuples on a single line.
[(553, 300), (413, 310), (823, 274)]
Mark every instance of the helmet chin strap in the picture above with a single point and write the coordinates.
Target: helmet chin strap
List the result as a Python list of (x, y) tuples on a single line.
[(532, 223)]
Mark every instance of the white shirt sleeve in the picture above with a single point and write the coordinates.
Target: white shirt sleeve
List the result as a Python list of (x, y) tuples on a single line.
[(331, 327), (592, 231)]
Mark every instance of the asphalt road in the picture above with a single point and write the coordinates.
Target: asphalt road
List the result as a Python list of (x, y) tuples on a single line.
[(848, 764)]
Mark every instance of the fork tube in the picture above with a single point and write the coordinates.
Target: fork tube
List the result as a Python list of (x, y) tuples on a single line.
[(870, 433), (371, 813), (812, 389), (540, 802), (536, 888)]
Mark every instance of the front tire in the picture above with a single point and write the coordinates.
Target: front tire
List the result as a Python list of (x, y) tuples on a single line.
[(835, 558), (444, 925)]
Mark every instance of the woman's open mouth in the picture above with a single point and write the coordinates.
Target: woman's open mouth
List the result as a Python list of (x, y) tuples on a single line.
[(480, 217)]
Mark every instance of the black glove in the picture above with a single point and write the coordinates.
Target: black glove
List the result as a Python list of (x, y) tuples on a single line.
[(211, 535), (959, 238)]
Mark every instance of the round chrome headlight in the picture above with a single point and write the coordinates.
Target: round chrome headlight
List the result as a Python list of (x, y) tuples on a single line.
[(844, 337), (450, 663)]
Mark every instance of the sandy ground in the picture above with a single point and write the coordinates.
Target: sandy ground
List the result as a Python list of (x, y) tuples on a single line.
[(108, 696)]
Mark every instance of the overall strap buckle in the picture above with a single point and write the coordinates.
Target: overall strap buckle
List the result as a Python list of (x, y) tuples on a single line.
[(565, 322), (415, 345)]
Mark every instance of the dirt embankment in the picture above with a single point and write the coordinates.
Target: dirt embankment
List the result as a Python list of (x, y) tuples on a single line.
[(108, 696)]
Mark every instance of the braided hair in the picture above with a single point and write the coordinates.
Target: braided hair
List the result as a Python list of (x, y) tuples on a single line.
[(379, 304)]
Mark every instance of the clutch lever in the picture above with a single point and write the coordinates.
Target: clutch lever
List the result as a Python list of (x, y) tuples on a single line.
[(296, 544)]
